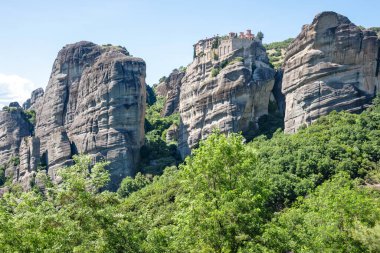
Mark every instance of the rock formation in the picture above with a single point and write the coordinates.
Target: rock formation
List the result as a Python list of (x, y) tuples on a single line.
[(331, 65), (13, 128), (228, 88), (172, 134), (170, 89), (94, 103), (34, 102)]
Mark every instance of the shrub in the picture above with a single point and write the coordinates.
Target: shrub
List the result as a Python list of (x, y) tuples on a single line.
[(260, 35), (15, 160), (2, 175), (30, 115), (162, 79), (236, 59), (182, 69), (130, 185), (215, 72)]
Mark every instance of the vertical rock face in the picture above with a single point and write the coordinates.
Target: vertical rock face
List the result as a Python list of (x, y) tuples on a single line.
[(13, 128), (94, 104), (277, 93), (29, 161), (170, 89), (331, 65), (231, 100)]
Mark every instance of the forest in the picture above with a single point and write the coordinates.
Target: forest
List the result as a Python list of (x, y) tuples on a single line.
[(313, 191)]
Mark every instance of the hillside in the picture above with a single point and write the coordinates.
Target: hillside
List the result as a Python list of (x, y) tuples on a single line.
[(227, 197), (249, 148), (276, 52)]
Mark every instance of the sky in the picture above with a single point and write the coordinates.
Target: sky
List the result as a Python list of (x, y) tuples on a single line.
[(161, 32)]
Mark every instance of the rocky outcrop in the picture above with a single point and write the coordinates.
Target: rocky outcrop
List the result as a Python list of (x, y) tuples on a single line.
[(13, 128), (170, 90), (34, 102), (331, 65), (172, 134), (29, 162), (95, 104), (229, 92)]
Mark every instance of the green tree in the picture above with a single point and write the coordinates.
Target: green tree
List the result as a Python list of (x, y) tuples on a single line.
[(130, 185), (70, 217), (260, 35), (224, 205), (327, 220)]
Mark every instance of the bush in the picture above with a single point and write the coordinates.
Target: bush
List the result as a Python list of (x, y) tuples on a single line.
[(30, 115), (2, 175), (215, 72), (182, 69), (162, 79), (130, 185), (236, 59), (260, 35), (15, 161)]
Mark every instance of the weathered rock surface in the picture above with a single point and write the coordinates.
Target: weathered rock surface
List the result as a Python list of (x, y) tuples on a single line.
[(34, 102), (13, 128), (232, 101), (277, 93), (170, 89), (95, 104), (172, 134), (331, 65), (29, 161), (150, 95)]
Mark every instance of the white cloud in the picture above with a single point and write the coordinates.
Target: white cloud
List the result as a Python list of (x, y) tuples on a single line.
[(14, 88)]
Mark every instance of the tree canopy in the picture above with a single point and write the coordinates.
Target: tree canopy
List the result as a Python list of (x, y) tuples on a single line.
[(313, 191)]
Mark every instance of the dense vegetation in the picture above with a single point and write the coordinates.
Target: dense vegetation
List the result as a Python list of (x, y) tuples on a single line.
[(276, 51), (158, 153), (314, 191)]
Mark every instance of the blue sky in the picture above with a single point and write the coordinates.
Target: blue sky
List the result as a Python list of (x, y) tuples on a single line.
[(161, 32)]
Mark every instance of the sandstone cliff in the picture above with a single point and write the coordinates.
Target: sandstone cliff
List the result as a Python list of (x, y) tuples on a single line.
[(34, 102), (228, 91), (331, 65), (13, 128), (170, 90), (94, 103)]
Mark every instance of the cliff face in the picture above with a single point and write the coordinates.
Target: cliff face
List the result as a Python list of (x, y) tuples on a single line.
[(13, 128), (34, 102), (331, 65), (231, 100), (170, 89), (94, 104)]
